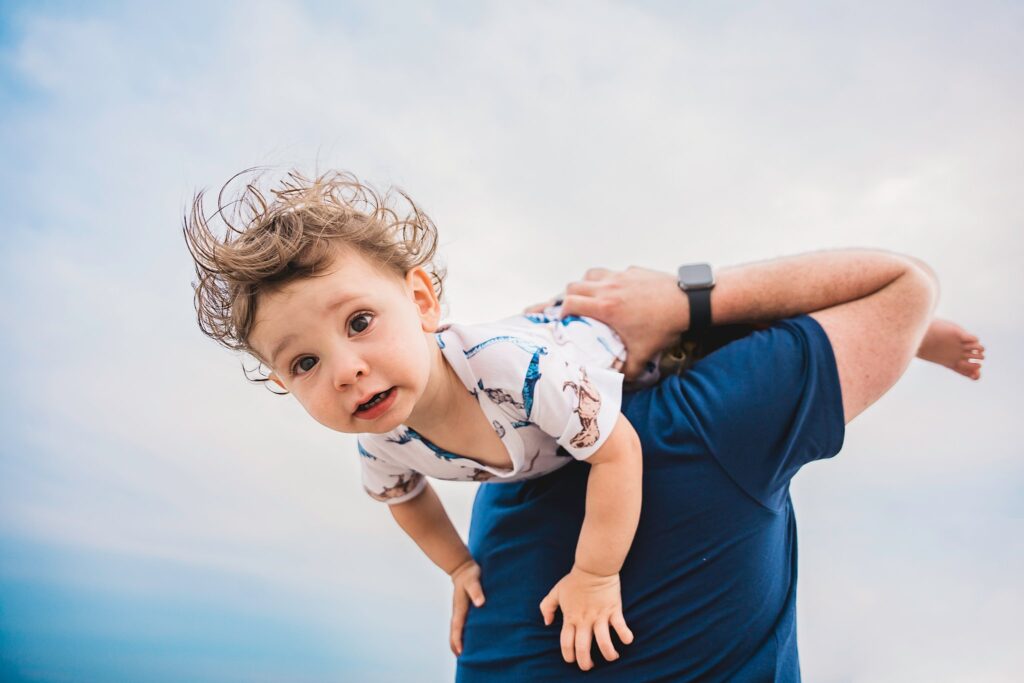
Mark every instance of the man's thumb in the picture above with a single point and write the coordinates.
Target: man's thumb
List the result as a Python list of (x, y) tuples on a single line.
[(636, 365)]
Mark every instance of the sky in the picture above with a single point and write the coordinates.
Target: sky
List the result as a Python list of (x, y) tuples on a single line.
[(163, 519)]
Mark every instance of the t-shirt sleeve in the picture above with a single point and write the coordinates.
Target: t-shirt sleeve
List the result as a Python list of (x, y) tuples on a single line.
[(577, 404), (385, 481), (767, 404)]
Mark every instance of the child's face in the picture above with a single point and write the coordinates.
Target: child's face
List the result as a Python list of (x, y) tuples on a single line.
[(334, 356)]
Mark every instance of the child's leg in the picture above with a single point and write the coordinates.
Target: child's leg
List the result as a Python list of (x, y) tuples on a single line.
[(949, 344)]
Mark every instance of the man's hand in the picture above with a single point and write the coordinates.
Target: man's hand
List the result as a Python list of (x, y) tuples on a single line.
[(645, 307), (589, 603), (466, 582)]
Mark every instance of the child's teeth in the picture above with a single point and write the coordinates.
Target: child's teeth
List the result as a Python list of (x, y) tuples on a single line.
[(375, 400)]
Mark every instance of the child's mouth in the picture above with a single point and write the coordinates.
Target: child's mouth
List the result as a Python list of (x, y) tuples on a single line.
[(376, 405)]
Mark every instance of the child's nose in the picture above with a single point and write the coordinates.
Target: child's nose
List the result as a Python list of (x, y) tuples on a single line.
[(347, 371)]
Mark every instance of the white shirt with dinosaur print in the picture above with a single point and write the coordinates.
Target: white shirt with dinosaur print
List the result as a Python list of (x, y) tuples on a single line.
[(550, 386)]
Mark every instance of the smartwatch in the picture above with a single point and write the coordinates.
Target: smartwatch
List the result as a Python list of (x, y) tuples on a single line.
[(697, 280)]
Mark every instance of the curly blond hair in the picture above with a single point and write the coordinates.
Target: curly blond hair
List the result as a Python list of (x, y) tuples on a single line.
[(295, 235)]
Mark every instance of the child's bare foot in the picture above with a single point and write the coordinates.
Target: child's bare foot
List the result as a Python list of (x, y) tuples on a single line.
[(948, 344)]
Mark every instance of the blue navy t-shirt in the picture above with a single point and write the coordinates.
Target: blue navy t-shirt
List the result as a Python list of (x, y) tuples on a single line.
[(709, 585)]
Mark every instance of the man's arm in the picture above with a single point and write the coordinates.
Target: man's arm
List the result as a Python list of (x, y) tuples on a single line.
[(873, 341), (874, 338)]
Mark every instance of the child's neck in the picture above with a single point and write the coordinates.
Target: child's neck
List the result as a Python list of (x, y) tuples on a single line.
[(442, 399)]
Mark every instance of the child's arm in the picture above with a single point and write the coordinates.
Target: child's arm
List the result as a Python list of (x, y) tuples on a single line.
[(613, 502), (589, 595), (427, 523)]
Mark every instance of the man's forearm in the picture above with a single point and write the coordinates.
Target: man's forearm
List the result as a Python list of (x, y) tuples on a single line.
[(647, 310), (791, 285), (427, 523)]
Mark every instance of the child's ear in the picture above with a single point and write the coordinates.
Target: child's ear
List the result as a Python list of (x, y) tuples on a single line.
[(423, 295)]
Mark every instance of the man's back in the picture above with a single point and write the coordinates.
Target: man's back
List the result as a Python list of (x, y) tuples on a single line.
[(709, 584)]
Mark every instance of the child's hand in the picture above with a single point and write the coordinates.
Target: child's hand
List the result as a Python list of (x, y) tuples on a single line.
[(466, 581), (589, 603)]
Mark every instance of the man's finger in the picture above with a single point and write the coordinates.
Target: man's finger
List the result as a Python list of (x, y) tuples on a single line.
[(583, 287), (604, 640), (633, 369), (638, 361), (588, 306), (583, 640), (596, 274), (539, 308), (568, 642), (619, 624)]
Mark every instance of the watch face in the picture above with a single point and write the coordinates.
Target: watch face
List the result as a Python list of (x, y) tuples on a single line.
[(696, 276)]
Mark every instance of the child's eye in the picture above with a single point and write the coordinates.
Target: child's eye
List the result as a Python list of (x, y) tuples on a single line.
[(301, 364), (360, 321)]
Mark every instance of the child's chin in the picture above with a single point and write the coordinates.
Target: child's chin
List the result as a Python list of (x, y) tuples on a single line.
[(349, 427), (375, 429), (380, 426)]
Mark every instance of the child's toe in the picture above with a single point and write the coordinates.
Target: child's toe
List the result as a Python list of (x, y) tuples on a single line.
[(967, 368)]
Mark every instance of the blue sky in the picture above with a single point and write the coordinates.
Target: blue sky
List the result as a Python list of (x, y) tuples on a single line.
[(162, 519)]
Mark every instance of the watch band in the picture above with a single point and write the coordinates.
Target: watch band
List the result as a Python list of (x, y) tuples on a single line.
[(700, 308), (697, 280)]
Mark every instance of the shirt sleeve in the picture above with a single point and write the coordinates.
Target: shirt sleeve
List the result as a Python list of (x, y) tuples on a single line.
[(768, 404), (385, 481), (577, 404)]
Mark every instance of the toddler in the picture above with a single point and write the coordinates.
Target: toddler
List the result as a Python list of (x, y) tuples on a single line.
[(334, 290)]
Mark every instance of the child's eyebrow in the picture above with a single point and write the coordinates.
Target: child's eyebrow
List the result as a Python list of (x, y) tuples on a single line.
[(281, 346)]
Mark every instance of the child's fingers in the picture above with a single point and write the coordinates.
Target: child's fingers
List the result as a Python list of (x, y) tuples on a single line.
[(583, 641), (460, 606), (476, 593), (568, 642), (618, 622), (604, 640), (547, 608)]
